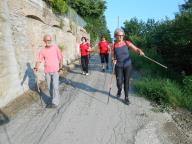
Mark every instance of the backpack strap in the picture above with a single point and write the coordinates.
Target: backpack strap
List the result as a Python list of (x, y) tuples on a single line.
[(126, 44)]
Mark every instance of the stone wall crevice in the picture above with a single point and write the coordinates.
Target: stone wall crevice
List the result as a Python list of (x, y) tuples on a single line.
[(35, 17)]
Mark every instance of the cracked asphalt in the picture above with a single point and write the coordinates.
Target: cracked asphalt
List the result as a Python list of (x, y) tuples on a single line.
[(85, 117)]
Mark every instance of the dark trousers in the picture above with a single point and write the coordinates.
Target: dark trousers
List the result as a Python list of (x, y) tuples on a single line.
[(84, 63), (123, 76), (104, 58)]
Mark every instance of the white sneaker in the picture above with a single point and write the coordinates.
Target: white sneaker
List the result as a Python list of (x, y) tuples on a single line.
[(87, 74), (83, 73)]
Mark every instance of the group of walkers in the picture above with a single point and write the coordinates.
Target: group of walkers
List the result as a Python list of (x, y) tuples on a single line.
[(53, 62)]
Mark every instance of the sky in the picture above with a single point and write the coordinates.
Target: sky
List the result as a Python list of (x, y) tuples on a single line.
[(141, 9)]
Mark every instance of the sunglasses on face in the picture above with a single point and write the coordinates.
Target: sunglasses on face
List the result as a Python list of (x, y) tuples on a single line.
[(47, 40), (120, 35)]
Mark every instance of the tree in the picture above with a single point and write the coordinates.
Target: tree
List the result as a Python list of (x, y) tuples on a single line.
[(93, 12), (58, 6)]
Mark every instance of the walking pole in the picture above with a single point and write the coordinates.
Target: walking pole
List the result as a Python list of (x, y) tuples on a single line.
[(113, 72), (155, 61)]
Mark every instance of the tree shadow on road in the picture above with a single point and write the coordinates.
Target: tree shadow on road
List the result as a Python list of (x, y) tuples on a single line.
[(3, 118), (86, 88), (94, 65)]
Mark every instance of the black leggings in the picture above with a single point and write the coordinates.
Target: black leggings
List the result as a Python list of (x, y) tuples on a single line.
[(104, 58), (123, 75), (84, 63)]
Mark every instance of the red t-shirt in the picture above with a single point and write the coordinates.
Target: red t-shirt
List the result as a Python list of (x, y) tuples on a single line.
[(103, 46), (116, 45), (84, 49)]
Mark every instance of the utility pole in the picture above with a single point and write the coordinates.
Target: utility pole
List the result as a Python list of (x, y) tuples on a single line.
[(118, 22)]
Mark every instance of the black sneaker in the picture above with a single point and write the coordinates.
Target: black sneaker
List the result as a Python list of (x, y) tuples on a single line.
[(127, 102), (118, 94), (107, 67), (51, 105), (103, 70)]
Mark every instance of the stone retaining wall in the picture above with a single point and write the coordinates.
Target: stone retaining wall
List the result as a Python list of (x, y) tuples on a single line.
[(22, 26)]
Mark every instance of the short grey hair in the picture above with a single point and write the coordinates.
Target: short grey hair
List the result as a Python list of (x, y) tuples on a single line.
[(118, 30), (45, 36)]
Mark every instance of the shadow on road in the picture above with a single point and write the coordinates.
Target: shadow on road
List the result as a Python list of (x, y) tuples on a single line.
[(3, 118), (86, 88)]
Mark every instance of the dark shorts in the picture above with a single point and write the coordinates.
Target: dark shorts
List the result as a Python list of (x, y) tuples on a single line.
[(104, 58)]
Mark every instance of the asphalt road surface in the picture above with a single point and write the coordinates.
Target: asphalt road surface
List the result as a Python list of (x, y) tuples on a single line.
[(85, 117)]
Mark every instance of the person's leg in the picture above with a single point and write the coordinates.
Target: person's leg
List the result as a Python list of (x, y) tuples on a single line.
[(127, 74), (102, 61), (86, 64), (83, 63), (48, 80), (49, 85), (106, 60), (56, 95), (119, 78)]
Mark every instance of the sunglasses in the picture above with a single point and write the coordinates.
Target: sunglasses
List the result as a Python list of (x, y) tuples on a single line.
[(119, 35)]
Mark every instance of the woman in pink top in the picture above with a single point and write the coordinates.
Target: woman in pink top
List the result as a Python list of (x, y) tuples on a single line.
[(53, 63)]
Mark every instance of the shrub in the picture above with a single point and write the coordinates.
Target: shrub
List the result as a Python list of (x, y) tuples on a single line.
[(58, 6), (161, 91), (187, 93)]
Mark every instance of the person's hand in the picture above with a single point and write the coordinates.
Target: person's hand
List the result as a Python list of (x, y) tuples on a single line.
[(141, 53), (35, 69), (60, 71), (114, 61)]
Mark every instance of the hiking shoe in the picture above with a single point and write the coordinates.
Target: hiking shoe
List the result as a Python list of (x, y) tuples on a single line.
[(118, 95), (127, 102), (51, 105)]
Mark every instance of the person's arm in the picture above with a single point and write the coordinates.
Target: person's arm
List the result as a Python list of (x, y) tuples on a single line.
[(37, 64), (135, 49), (114, 60), (60, 57), (89, 47), (108, 46), (39, 59)]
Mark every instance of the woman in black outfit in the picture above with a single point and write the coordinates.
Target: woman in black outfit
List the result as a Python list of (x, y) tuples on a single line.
[(122, 61)]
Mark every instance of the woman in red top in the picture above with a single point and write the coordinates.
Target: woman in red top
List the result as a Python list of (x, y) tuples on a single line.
[(84, 49), (104, 52)]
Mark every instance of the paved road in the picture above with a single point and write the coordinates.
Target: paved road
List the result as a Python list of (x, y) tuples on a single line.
[(84, 116)]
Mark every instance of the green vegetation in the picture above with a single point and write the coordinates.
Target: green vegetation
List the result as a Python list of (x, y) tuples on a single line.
[(93, 13), (168, 42), (58, 6), (91, 10)]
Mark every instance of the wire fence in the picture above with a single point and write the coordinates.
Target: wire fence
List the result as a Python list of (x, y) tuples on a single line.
[(73, 16)]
